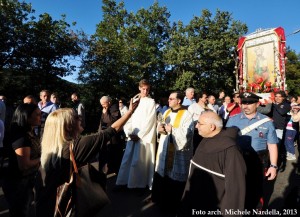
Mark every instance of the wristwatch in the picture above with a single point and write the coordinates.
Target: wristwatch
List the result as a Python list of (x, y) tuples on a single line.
[(274, 166)]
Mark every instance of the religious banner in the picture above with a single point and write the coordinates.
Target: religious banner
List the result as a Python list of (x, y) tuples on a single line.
[(261, 66)]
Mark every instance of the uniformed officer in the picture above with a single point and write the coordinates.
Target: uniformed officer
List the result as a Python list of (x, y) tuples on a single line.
[(257, 141)]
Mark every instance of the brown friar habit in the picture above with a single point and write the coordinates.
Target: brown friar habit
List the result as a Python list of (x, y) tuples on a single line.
[(216, 179)]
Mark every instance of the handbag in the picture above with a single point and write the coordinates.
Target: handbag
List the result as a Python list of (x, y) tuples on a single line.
[(86, 185), (64, 199), (89, 195)]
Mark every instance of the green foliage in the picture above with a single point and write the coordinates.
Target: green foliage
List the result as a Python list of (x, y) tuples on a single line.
[(130, 46), (185, 80), (204, 48), (14, 32), (293, 72), (33, 52), (126, 48)]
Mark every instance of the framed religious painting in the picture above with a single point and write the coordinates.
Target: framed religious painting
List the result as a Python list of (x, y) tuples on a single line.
[(261, 66)]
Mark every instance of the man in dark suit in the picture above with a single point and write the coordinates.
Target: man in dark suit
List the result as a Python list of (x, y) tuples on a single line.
[(111, 113)]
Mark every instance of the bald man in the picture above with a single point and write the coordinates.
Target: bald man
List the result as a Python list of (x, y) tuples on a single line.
[(216, 179), (111, 113)]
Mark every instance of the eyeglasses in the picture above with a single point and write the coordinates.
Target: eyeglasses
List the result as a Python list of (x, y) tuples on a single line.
[(172, 98)]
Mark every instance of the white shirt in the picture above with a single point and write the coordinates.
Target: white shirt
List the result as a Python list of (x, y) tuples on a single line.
[(195, 109), (123, 110)]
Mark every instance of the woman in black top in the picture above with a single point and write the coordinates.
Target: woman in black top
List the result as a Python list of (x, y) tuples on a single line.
[(24, 159), (62, 128)]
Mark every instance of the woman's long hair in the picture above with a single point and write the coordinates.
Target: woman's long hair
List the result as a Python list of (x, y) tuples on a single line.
[(60, 129), (19, 124)]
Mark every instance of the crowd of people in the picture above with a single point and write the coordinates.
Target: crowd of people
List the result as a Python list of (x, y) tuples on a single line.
[(194, 151)]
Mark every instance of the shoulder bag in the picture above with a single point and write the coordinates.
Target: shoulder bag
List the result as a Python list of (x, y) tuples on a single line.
[(64, 192), (88, 196)]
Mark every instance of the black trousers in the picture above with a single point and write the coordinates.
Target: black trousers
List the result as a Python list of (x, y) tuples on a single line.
[(19, 195), (257, 186), (167, 193)]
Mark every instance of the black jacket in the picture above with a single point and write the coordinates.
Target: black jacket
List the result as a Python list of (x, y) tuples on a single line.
[(280, 114)]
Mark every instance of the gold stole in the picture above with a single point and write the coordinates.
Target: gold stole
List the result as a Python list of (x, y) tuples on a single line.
[(171, 147)]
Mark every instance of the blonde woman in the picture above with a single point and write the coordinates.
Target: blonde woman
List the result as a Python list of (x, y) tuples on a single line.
[(62, 128)]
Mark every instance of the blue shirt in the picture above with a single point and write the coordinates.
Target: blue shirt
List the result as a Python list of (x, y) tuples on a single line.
[(258, 138), (188, 102), (164, 108), (46, 110)]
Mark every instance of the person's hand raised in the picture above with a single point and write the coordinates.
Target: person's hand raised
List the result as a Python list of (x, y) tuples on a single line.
[(104, 110), (134, 102)]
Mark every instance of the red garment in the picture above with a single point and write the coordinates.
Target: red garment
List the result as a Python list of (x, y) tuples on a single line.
[(234, 111)]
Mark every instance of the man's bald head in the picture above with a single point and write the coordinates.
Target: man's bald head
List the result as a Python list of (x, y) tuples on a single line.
[(105, 102), (209, 124)]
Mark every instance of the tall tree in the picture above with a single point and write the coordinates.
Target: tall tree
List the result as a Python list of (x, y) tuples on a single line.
[(14, 32), (199, 53), (33, 52), (103, 62), (125, 48), (146, 36)]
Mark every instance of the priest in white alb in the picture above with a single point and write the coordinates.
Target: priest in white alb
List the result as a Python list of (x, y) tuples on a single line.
[(137, 167)]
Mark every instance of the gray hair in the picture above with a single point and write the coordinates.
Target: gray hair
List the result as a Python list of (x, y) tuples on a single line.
[(189, 89), (106, 98), (212, 118)]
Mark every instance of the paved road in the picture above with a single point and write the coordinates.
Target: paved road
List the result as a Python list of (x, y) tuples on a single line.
[(287, 184), (133, 203), (136, 204)]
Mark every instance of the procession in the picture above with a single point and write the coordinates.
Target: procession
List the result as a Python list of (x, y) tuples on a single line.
[(198, 119)]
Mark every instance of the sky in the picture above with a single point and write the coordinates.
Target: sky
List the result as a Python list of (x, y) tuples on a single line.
[(255, 14)]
